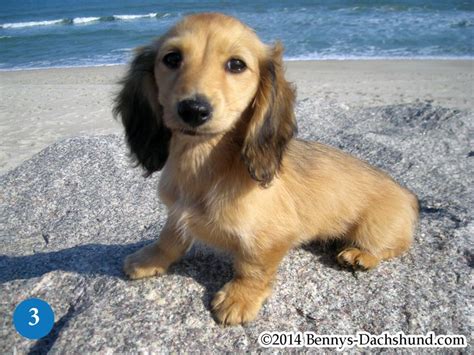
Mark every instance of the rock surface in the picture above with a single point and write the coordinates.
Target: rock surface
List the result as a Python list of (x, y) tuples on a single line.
[(72, 213)]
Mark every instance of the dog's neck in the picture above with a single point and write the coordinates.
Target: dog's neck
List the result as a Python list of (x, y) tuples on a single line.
[(193, 158)]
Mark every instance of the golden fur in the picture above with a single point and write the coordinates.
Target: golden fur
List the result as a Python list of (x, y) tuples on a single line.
[(241, 182)]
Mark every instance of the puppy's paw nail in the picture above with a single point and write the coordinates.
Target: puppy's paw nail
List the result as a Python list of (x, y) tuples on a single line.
[(359, 265)]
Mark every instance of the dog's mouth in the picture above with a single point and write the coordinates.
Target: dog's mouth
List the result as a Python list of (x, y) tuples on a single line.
[(189, 132), (195, 133)]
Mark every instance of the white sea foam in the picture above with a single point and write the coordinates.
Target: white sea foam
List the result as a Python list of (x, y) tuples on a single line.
[(122, 50), (84, 20), (31, 24), (134, 17), (81, 20)]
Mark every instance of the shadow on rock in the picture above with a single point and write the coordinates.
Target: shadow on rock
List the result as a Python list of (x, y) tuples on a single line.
[(90, 259), (326, 253), (44, 345), (208, 268), (211, 270)]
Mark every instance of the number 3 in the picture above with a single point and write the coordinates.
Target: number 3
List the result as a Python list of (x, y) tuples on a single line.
[(34, 316)]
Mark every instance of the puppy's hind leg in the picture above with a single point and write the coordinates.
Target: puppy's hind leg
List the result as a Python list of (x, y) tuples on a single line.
[(155, 258), (385, 231)]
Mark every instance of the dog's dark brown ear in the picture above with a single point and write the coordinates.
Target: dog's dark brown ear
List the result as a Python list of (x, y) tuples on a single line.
[(272, 123), (141, 114)]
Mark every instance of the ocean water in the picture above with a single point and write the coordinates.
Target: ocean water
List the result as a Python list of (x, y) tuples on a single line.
[(67, 33)]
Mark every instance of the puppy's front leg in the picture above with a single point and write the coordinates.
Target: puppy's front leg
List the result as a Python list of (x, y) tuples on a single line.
[(155, 258), (241, 298)]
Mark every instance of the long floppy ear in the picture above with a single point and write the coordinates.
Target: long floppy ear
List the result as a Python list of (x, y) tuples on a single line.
[(141, 114), (272, 121)]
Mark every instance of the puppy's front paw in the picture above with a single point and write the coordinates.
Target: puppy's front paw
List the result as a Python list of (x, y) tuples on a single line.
[(357, 259), (237, 304), (143, 263)]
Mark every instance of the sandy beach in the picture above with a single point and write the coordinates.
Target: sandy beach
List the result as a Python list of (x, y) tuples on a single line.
[(39, 107)]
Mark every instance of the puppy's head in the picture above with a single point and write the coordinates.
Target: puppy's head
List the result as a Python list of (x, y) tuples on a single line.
[(206, 76)]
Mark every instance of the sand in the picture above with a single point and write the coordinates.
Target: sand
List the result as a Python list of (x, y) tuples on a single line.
[(39, 107)]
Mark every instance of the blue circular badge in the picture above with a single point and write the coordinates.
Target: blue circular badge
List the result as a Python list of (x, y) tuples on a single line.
[(33, 318)]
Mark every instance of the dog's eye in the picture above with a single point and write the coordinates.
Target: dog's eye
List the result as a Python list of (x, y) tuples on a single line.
[(173, 60), (235, 65)]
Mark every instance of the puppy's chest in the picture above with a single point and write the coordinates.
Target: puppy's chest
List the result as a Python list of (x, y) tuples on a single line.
[(209, 215)]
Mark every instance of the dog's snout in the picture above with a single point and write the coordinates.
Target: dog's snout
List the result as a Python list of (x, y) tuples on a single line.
[(195, 111)]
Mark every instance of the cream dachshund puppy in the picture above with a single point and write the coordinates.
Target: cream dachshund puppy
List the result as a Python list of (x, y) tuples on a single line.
[(208, 104)]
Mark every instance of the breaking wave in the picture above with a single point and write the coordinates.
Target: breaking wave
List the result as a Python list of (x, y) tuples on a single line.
[(83, 20)]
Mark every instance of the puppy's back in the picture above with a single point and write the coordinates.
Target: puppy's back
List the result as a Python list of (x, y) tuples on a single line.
[(339, 195)]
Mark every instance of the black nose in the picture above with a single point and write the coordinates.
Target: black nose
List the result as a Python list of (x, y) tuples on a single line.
[(195, 111)]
